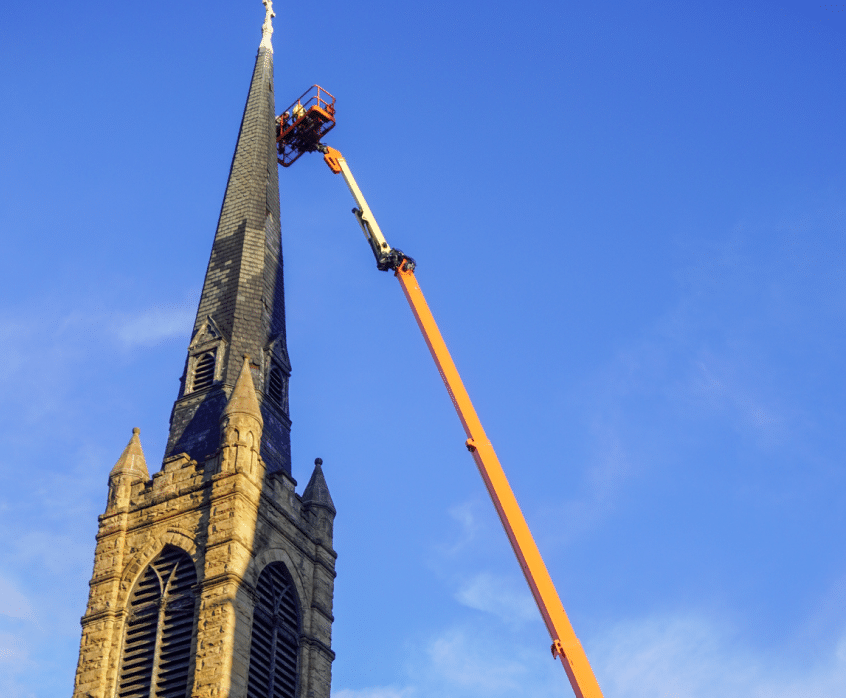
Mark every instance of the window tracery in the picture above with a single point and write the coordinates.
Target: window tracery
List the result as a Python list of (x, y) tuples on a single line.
[(159, 629), (274, 648)]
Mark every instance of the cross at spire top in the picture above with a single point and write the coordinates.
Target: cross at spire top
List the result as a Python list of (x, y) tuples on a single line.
[(267, 27)]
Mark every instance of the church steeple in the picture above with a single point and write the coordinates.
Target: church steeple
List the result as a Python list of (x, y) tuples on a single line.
[(242, 307), (214, 577)]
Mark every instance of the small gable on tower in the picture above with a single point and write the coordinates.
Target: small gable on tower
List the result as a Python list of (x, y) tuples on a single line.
[(204, 367)]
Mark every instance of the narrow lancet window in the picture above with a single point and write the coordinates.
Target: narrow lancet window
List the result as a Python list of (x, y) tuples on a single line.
[(159, 629), (274, 385), (276, 631)]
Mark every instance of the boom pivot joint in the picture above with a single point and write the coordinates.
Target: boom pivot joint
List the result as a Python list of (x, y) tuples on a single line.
[(390, 260)]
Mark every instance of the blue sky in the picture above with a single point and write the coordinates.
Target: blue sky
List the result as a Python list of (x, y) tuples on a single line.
[(628, 219)]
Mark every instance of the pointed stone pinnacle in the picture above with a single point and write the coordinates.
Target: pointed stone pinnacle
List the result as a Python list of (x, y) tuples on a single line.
[(132, 461), (316, 493), (243, 399)]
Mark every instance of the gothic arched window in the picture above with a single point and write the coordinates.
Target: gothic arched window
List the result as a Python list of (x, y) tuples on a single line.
[(276, 636), (159, 628)]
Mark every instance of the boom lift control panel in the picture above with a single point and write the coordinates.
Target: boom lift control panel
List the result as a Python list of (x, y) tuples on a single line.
[(300, 131)]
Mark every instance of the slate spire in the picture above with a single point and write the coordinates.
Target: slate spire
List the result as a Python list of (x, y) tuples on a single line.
[(242, 306)]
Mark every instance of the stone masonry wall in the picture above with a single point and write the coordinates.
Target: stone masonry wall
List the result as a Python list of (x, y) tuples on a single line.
[(232, 523)]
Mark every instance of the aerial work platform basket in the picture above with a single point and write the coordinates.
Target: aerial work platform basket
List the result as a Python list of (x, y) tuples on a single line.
[(301, 126)]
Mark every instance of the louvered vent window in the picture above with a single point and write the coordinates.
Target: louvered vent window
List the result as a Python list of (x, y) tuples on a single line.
[(157, 648), (204, 371), (275, 643), (274, 385)]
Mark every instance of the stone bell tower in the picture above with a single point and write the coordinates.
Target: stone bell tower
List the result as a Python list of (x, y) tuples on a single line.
[(214, 577)]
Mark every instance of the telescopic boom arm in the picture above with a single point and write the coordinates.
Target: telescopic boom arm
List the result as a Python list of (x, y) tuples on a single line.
[(565, 644)]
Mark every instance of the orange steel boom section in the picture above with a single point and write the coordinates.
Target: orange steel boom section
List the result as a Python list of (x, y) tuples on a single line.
[(565, 644)]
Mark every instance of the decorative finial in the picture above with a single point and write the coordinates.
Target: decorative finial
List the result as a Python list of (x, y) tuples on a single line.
[(267, 27), (318, 461)]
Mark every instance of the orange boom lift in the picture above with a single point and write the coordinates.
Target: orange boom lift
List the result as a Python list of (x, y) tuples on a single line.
[(314, 118)]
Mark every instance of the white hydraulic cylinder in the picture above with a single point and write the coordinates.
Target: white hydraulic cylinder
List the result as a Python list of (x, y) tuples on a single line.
[(365, 216)]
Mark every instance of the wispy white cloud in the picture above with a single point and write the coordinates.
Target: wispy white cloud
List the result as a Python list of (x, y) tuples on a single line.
[(694, 657), (712, 386), (56, 395), (15, 662), (670, 656), (13, 603), (377, 692), (503, 596), (153, 326), (54, 553), (43, 347), (12, 650), (462, 662), (715, 358), (469, 661), (71, 333), (465, 516), (605, 475), (499, 596)]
